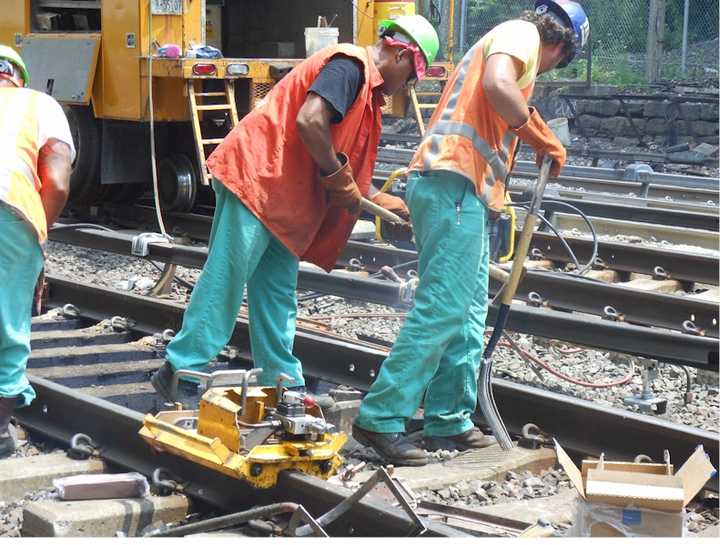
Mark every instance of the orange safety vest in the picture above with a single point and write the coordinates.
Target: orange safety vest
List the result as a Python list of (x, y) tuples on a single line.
[(465, 134), (19, 181), (265, 164)]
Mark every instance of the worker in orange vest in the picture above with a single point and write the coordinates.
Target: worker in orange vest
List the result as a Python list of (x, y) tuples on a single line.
[(36, 150), (457, 176), (288, 180)]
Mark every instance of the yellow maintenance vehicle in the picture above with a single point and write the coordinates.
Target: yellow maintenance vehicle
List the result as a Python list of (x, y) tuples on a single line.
[(120, 67), (248, 432)]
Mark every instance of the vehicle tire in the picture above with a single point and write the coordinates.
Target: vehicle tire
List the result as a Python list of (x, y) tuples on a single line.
[(177, 183), (85, 185)]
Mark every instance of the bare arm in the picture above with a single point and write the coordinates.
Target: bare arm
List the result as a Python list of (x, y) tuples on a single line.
[(313, 124), (54, 167), (500, 84)]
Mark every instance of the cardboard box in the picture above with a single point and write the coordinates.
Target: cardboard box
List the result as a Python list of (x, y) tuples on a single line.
[(624, 499)]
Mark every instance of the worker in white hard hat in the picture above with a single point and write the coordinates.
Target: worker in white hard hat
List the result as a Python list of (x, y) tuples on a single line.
[(36, 154)]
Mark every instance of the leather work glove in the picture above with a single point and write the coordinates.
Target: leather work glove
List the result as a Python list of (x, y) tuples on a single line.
[(536, 133), (392, 203), (341, 188)]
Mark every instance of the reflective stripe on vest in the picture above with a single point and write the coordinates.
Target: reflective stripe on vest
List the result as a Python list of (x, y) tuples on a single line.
[(445, 126)]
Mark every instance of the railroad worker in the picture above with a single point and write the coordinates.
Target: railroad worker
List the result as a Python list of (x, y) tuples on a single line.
[(456, 178), (288, 183), (37, 153)]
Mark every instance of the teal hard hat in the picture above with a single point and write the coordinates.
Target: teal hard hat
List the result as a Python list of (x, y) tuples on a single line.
[(10, 55)]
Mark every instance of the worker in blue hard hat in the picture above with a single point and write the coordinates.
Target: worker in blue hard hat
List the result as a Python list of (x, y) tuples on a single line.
[(456, 182), (37, 153)]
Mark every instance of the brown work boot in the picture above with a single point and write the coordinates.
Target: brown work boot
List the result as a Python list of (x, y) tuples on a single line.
[(7, 433), (393, 448), (471, 439)]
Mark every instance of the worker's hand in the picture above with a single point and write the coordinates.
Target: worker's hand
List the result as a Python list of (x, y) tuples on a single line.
[(397, 231), (341, 188), (392, 203), (536, 133)]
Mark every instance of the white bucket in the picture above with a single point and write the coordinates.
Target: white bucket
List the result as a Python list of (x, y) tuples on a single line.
[(317, 38)]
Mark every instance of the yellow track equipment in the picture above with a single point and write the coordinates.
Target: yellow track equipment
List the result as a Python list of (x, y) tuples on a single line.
[(249, 432)]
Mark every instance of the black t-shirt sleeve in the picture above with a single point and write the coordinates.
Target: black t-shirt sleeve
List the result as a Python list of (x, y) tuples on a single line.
[(338, 83)]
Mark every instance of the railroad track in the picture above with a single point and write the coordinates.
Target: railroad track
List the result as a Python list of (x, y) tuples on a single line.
[(90, 365), (75, 361), (90, 368), (637, 320)]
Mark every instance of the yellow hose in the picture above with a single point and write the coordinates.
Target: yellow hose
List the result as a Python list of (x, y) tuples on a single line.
[(387, 185)]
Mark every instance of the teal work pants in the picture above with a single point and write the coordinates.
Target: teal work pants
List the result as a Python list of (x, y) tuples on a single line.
[(437, 353), (21, 261), (242, 252)]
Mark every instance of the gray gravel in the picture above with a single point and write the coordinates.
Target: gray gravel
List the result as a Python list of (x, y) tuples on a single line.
[(588, 365), (104, 269)]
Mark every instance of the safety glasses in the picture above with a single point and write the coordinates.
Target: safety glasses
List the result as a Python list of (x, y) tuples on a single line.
[(7, 68)]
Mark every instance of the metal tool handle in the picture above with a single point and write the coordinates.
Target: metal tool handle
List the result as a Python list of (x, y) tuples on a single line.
[(373, 208), (208, 379)]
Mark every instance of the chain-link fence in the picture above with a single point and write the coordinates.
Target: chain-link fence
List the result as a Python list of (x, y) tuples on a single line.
[(620, 37)]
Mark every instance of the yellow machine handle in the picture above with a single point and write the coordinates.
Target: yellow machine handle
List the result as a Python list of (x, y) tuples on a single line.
[(394, 175), (510, 211)]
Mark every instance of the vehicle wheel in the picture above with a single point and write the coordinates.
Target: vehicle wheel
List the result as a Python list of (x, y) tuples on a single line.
[(177, 183), (85, 185)]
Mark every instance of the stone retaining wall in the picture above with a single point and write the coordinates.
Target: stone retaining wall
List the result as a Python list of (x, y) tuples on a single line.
[(690, 122), (663, 122)]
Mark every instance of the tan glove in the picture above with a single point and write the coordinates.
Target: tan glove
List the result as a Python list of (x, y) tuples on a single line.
[(392, 203), (341, 188), (536, 133)]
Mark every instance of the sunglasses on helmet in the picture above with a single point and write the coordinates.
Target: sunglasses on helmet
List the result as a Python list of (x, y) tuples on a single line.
[(7, 68)]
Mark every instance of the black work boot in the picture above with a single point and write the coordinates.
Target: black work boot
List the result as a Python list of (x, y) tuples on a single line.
[(187, 393), (394, 448), (471, 439), (7, 433)]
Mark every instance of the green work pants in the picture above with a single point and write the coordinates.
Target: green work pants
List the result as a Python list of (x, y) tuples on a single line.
[(21, 261), (241, 252), (437, 353)]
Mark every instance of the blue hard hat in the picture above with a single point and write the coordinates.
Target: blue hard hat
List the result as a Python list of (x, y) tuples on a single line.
[(572, 16)]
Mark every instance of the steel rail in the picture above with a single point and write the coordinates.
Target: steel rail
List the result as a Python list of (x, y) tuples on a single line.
[(565, 292), (402, 157), (663, 345), (623, 188), (584, 427), (60, 412), (642, 211), (682, 266)]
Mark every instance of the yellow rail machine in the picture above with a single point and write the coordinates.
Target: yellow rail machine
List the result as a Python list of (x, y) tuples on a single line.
[(249, 432)]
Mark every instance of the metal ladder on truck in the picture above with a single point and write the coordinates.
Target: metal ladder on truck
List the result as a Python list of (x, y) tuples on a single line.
[(201, 143), (420, 107)]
